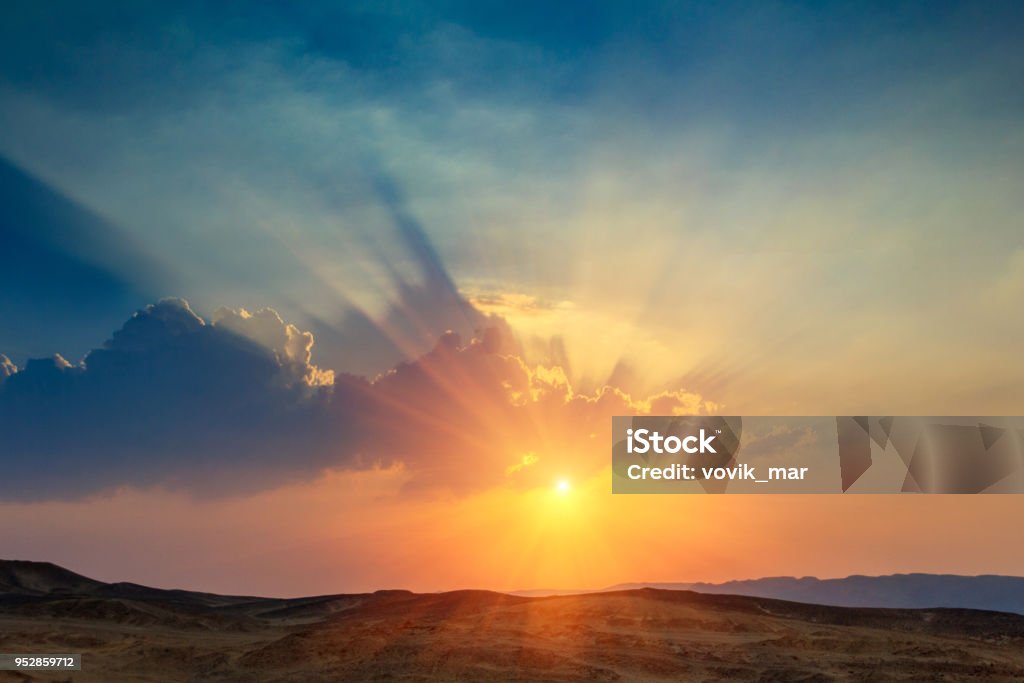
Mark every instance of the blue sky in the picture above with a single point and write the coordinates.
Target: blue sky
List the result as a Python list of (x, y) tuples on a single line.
[(741, 208), (848, 163)]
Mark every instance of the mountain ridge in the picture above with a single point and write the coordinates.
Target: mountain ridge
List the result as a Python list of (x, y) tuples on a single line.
[(914, 590), (128, 632)]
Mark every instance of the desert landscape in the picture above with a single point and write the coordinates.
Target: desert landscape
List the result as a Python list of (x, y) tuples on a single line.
[(511, 341), (128, 632)]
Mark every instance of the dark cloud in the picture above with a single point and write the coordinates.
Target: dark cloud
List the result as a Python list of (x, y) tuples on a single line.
[(236, 404), (785, 65), (169, 398)]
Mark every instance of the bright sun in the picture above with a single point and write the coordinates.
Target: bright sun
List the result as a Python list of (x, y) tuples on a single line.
[(563, 486)]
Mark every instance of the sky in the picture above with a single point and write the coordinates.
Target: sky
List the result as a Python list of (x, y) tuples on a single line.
[(341, 291)]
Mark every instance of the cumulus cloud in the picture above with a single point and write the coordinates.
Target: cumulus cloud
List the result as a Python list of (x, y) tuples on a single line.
[(169, 399), (292, 347), (236, 404), (7, 368)]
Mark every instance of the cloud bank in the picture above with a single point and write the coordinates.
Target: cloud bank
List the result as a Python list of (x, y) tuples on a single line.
[(236, 404)]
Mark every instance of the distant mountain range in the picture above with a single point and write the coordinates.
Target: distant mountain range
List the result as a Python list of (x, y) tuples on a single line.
[(912, 591), (906, 591)]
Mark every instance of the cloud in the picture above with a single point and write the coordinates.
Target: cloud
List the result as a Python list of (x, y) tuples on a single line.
[(735, 179), (292, 347), (236, 404), (169, 399), (7, 368), (462, 413), (524, 462)]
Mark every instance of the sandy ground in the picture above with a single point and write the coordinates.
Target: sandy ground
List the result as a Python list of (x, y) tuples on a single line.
[(131, 633)]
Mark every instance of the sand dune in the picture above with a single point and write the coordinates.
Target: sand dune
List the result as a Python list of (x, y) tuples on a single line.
[(133, 633)]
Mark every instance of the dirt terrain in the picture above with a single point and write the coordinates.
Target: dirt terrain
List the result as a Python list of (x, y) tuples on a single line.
[(127, 632)]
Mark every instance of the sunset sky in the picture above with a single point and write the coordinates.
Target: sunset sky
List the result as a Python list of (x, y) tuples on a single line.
[(395, 265)]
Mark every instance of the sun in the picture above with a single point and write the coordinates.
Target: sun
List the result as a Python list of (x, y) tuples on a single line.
[(563, 486)]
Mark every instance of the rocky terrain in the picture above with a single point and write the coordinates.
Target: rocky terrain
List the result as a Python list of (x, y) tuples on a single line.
[(128, 632)]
